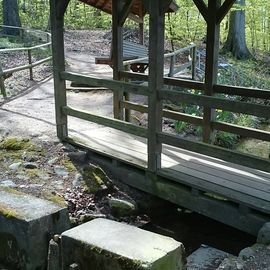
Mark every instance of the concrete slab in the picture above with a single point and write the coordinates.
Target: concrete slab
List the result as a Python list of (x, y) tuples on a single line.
[(206, 258), (26, 225), (105, 245)]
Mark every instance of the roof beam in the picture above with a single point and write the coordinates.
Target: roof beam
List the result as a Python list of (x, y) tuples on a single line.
[(224, 9), (202, 8), (125, 11)]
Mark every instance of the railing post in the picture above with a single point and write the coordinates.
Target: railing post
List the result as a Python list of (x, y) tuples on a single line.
[(194, 61), (172, 64), (117, 43), (57, 28), (127, 97), (30, 63), (155, 83), (211, 66), (2, 83)]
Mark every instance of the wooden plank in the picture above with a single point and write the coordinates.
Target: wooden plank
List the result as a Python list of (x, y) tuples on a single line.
[(216, 189), (243, 131), (211, 66), (196, 120), (215, 151), (202, 8), (182, 155), (224, 9), (184, 83), (110, 84), (57, 30), (96, 146), (117, 52), (156, 65), (37, 63), (217, 103), (242, 91), (106, 121), (203, 167), (197, 160), (219, 178), (225, 212), (125, 12)]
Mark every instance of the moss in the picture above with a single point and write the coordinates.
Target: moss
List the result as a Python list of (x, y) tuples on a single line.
[(32, 172), (55, 199), (14, 155), (69, 165), (11, 190), (13, 143), (8, 212)]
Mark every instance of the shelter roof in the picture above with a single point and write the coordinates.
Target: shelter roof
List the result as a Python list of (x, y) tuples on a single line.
[(137, 8)]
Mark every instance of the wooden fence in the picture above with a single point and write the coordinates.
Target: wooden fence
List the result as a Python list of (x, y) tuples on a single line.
[(30, 65)]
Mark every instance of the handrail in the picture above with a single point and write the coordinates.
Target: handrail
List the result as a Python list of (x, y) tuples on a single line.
[(29, 50)]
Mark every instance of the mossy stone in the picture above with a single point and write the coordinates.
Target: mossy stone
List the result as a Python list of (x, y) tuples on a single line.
[(95, 179)]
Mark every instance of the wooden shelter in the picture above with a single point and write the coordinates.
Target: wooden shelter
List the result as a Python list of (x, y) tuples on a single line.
[(226, 185)]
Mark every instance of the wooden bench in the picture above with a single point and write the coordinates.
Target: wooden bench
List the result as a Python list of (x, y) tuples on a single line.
[(130, 51)]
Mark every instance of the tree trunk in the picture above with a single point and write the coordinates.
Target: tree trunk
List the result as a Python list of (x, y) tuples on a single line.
[(11, 16), (236, 39)]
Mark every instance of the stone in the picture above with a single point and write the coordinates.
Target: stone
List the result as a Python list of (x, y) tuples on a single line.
[(53, 256), (229, 264), (15, 166), (122, 208), (60, 170), (29, 157), (264, 234), (53, 161), (247, 253), (30, 165), (104, 245), (78, 156), (96, 180), (206, 258), (7, 183), (25, 224), (88, 217), (78, 180)]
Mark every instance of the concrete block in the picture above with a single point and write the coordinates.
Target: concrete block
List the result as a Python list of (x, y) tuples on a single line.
[(108, 245), (26, 225)]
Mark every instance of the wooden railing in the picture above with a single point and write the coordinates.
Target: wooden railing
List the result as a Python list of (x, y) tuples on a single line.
[(214, 102), (174, 68), (5, 72)]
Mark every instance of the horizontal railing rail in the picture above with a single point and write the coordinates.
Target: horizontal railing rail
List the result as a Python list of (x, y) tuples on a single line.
[(29, 50)]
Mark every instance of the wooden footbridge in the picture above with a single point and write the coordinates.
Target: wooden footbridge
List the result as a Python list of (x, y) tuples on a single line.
[(228, 186)]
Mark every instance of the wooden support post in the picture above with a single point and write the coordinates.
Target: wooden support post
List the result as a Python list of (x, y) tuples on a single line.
[(30, 63), (2, 83), (172, 64), (211, 65), (117, 43), (194, 62), (156, 66), (127, 98), (57, 10)]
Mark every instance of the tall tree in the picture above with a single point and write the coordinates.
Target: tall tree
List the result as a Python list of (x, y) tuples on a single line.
[(11, 16), (236, 39)]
